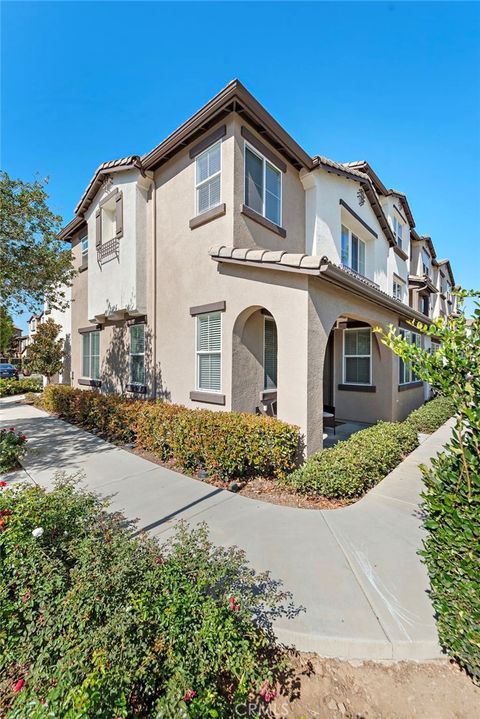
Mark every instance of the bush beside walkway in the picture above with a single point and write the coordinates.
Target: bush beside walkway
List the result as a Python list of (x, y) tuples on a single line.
[(11, 387)]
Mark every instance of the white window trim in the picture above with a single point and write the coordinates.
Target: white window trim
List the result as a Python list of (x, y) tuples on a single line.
[(208, 179), (208, 352), (355, 329), (412, 380), (397, 280), (136, 354), (397, 224), (89, 375), (350, 235), (264, 179), (83, 251), (265, 320)]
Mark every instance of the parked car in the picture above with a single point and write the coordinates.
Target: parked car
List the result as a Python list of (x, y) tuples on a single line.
[(8, 371)]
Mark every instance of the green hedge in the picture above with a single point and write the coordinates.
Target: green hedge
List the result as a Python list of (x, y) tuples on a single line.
[(432, 415), (9, 387), (350, 468), (96, 623), (225, 444)]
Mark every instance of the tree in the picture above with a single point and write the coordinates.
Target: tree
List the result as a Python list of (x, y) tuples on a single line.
[(7, 332), (45, 354), (451, 500), (35, 262)]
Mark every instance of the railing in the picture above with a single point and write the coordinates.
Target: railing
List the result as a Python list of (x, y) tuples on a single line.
[(108, 250)]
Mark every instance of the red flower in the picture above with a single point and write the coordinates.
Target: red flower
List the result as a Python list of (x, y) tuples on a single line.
[(24, 437), (3, 483), (234, 606), (5, 512), (19, 685), (189, 695), (12, 429)]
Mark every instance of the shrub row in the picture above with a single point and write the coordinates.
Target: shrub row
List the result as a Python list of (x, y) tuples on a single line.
[(432, 415), (350, 468), (9, 387), (96, 623), (225, 444)]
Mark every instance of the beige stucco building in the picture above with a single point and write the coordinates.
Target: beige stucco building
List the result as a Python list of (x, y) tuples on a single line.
[(228, 269)]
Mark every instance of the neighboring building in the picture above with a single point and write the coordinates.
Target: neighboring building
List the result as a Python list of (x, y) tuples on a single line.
[(229, 269), (64, 319)]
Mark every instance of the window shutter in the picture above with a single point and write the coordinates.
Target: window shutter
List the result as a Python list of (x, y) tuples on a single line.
[(98, 227), (119, 215)]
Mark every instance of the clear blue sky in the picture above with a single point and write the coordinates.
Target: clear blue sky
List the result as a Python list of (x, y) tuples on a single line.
[(394, 83)]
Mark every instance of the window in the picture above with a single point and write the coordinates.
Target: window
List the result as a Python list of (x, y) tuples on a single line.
[(208, 178), (425, 304), (357, 356), (263, 186), (398, 289), (209, 348), (353, 251), (398, 231), (406, 373), (84, 244), (426, 262), (137, 354), (270, 351), (91, 355)]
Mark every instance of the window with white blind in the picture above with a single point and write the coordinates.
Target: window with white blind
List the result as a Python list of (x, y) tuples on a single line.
[(398, 289), (84, 243), (357, 356), (353, 251), (137, 354), (91, 355), (398, 231), (208, 178), (406, 374), (270, 351), (426, 262), (209, 351), (263, 186)]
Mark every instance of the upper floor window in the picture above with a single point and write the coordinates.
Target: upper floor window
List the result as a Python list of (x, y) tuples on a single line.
[(398, 231), (426, 262), (84, 245), (425, 305), (398, 289), (263, 186), (208, 178), (109, 219), (353, 251), (209, 351), (91, 355), (137, 354), (357, 356)]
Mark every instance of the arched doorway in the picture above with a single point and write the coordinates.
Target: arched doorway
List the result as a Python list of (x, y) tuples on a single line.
[(255, 362)]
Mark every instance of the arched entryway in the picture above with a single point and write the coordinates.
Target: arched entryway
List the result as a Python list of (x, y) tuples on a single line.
[(255, 362)]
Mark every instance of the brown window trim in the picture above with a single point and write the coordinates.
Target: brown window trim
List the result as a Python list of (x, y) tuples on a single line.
[(208, 216), (208, 397), (357, 387), (90, 382), (401, 253), (207, 141), (400, 213), (410, 385), (256, 217), (211, 307), (108, 197), (92, 328), (266, 151), (83, 267), (141, 320), (137, 388), (358, 218)]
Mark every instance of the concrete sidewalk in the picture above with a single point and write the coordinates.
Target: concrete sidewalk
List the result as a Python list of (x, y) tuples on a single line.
[(359, 588)]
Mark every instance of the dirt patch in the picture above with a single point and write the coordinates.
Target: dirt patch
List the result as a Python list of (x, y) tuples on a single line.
[(333, 689)]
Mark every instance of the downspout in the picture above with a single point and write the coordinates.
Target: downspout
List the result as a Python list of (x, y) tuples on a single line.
[(153, 233)]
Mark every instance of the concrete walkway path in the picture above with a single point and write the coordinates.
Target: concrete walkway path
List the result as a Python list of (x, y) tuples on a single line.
[(358, 586)]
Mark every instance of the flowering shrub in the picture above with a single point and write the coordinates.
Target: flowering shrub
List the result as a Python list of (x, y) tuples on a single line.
[(97, 624), (10, 387), (12, 447), (226, 444)]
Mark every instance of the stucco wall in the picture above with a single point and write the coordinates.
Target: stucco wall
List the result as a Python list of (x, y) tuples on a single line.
[(79, 312)]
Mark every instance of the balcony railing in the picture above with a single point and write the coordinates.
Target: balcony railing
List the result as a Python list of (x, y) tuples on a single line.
[(108, 250)]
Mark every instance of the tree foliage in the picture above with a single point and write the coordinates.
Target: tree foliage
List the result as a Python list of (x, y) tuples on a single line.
[(7, 331), (35, 264), (452, 495), (45, 354)]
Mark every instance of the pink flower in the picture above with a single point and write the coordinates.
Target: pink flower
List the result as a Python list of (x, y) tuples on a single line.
[(26, 597), (19, 685), (3, 483), (24, 437), (189, 695), (12, 429), (266, 692)]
